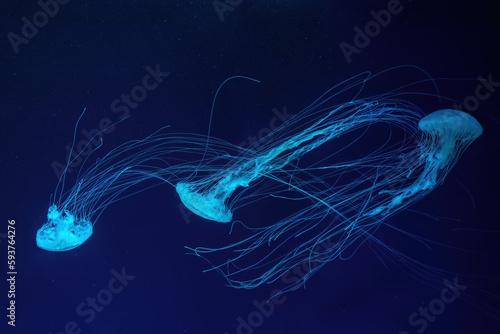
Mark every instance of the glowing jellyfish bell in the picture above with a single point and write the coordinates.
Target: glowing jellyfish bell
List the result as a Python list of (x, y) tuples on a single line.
[(451, 131), (63, 231)]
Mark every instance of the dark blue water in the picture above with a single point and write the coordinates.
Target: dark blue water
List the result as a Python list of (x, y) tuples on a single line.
[(132, 275)]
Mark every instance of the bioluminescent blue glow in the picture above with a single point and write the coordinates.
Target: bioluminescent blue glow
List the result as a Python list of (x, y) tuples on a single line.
[(311, 192), (63, 231), (72, 214), (334, 172)]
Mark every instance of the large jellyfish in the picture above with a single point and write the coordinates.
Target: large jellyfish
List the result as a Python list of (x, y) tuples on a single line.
[(336, 171)]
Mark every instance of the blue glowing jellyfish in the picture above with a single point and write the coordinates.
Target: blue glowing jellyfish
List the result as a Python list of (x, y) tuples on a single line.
[(337, 171), (73, 213)]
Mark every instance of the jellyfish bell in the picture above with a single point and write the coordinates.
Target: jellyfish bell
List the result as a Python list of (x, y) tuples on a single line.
[(449, 132), (63, 231), (452, 130), (209, 206), (453, 122)]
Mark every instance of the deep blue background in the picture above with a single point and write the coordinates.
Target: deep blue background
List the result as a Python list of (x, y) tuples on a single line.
[(93, 51)]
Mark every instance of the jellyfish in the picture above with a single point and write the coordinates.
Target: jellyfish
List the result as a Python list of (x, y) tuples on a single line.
[(73, 213), (337, 171), (62, 232), (447, 132)]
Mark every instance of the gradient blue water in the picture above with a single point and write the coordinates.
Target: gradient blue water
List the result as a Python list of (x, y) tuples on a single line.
[(90, 53)]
